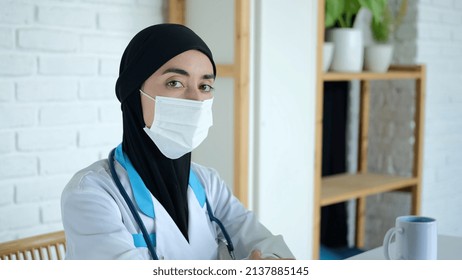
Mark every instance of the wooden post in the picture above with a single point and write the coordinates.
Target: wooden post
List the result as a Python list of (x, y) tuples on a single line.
[(418, 144), (318, 134), (360, 221), (363, 126), (241, 99), (362, 159), (176, 11)]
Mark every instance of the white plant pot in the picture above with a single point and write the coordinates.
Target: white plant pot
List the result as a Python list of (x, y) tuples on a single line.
[(348, 50), (327, 54), (377, 58)]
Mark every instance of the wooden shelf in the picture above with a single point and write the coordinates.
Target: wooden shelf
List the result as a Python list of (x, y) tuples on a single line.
[(396, 72), (343, 187)]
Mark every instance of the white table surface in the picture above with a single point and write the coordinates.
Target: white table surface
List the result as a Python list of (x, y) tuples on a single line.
[(449, 248)]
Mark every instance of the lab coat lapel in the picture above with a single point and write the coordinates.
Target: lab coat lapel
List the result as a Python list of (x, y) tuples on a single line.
[(171, 243)]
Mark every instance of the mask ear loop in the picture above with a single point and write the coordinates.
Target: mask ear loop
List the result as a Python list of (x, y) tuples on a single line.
[(147, 95)]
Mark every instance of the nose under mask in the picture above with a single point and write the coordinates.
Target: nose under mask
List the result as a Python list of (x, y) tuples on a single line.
[(179, 125)]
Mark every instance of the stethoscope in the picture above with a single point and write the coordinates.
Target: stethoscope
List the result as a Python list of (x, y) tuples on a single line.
[(147, 239)]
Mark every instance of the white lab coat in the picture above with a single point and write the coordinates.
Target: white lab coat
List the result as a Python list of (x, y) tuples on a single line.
[(98, 223)]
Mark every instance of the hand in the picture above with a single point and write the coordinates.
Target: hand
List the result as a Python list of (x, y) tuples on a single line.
[(256, 255)]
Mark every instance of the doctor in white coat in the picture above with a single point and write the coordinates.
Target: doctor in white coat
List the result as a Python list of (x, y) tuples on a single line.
[(148, 200)]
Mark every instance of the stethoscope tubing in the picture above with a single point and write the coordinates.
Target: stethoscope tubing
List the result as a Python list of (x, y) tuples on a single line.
[(131, 207), (229, 243)]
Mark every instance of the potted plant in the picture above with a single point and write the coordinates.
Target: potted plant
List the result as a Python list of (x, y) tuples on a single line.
[(383, 23), (348, 53)]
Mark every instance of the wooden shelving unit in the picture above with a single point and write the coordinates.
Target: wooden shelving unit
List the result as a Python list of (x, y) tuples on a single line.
[(343, 187), (239, 72)]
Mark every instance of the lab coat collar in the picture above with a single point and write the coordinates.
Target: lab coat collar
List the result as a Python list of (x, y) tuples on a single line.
[(141, 193), (197, 188)]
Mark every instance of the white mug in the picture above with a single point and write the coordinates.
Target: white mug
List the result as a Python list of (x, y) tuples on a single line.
[(416, 238)]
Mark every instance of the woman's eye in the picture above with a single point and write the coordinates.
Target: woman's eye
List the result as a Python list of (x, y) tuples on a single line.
[(174, 84), (206, 88)]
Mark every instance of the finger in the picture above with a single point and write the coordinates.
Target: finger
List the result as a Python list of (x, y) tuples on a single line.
[(255, 255)]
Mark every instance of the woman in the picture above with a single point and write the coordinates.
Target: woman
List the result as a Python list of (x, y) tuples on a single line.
[(185, 210)]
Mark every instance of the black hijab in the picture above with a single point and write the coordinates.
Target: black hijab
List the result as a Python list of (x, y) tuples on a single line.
[(166, 179)]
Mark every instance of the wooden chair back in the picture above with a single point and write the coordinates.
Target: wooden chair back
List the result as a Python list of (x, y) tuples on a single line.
[(50, 246)]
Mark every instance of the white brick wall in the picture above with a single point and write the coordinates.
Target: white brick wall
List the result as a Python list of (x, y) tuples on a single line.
[(430, 35), (442, 196), (58, 112), (14, 64)]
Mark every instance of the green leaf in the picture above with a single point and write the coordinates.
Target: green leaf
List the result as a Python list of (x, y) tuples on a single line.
[(351, 9), (333, 11), (377, 8), (380, 31)]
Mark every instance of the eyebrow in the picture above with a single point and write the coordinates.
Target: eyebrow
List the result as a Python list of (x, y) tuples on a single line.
[(185, 73)]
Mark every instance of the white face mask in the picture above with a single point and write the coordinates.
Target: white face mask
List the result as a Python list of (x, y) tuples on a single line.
[(179, 125)]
